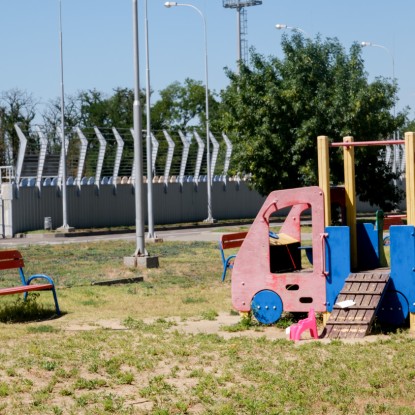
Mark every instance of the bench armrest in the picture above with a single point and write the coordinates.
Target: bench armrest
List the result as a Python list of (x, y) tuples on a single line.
[(40, 276), (50, 281)]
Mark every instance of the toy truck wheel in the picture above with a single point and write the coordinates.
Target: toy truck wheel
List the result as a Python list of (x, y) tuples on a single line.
[(267, 306)]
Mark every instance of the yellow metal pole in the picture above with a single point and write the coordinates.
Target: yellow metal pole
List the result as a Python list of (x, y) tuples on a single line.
[(412, 322), (350, 188), (410, 177), (324, 175)]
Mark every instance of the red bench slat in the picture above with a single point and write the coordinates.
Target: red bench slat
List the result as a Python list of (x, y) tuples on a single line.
[(25, 288), (10, 260), (11, 254), (388, 221), (230, 240), (233, 240)]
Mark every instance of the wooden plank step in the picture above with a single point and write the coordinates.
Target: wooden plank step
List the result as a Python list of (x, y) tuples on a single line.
[(366, 290), (368, 280), (355, 308), (367, 277), (375, 291)]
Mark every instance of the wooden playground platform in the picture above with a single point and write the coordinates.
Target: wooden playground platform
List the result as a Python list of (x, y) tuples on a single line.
[(365, 290)]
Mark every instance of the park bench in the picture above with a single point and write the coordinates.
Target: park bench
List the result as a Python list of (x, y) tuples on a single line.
[(233, 240), (229, 241), (388, 221), (13, 260)]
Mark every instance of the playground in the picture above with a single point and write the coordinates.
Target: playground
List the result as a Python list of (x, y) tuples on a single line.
[(187, 340), (172, 344), (348, 280)]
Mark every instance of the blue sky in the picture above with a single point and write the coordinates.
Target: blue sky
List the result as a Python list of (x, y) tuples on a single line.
[(97, 41)]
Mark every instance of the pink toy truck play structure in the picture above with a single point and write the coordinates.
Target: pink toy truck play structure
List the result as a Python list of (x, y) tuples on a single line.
[(266, 286)]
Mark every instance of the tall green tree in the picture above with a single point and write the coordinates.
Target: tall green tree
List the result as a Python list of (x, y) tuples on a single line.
[(52, 119), (182, 105), (92, 108), (16, 106), (120, 107), (410, 125), (275, 109)]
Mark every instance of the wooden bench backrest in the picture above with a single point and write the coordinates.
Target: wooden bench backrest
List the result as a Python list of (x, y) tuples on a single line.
[(388, 221), (233, 240), (11, 259)]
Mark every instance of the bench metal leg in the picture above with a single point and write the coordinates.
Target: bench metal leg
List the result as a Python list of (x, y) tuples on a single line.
[(227, 265), (55, 298)]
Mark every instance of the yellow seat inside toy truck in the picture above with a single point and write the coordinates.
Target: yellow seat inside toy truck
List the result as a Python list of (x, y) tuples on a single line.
[(285, 255)]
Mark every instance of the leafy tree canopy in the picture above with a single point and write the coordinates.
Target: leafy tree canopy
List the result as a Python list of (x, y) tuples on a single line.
[(275, 109), (93, 108), (182, 105), (16, 106)]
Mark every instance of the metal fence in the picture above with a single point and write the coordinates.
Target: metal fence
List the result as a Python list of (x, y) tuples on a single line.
[(25, 208)]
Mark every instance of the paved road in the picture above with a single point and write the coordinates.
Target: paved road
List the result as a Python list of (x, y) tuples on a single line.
[(211, 234), (195, 234)]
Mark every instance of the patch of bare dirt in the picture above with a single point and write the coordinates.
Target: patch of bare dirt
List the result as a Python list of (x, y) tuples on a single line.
[(94, 325), (217, 326), (220, 324)]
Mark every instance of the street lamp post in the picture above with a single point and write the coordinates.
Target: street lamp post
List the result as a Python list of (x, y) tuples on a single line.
[(140, 257), (138, 152), (281, 26), (365, 44), (151, 234), (209, 218), (65, 226), (395, 135)]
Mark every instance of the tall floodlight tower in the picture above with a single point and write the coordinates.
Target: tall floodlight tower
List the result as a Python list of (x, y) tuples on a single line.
[(242, 24)]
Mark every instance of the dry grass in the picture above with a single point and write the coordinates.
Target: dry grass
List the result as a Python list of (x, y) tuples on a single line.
[(118, 350)]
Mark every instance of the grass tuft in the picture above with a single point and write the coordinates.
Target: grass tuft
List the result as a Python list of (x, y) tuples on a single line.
[(210, 315), (20, 310), (42, 329)]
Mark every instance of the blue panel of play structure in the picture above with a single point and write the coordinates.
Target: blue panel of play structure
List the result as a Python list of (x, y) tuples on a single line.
[(393, 308), (338, 261), (367, 246), (267, 306), (402, 252)]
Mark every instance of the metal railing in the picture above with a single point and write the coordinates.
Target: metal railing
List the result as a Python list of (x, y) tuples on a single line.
[(7, 174)]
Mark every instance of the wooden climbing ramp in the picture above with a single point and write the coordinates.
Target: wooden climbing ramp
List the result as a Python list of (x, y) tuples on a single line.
[(365, 290)]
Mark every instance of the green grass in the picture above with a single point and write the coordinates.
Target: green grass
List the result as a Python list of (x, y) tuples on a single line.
[(240, 376), (121, 350), (18, 310)]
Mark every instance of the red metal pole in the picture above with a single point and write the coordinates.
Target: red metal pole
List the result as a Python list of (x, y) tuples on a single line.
[(368, 143)]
